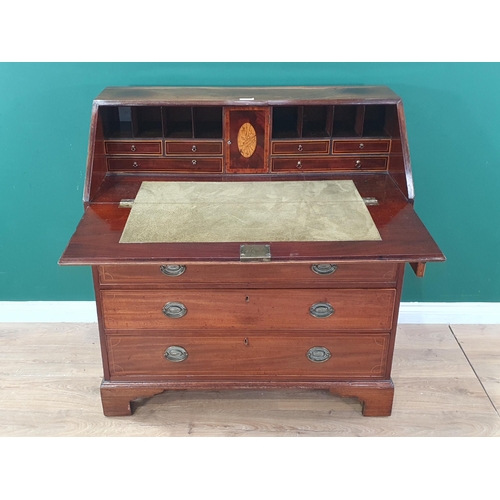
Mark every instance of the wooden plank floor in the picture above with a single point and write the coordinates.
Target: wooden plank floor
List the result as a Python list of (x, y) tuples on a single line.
[(447, 381)]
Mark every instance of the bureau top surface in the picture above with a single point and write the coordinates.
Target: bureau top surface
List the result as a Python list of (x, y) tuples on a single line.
[(244, 96)]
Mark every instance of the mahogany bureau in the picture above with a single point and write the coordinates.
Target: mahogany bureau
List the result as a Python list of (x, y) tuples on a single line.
[(257, 314)]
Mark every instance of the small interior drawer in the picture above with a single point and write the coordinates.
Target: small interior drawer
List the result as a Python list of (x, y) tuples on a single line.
[(300, 147), (133, 147), (362, 146), (193, 148)]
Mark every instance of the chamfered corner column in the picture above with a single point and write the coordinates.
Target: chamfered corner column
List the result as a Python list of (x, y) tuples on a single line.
[(376, 397)]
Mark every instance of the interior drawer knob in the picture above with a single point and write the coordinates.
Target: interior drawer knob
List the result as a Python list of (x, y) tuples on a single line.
[(172, 269), (361, 146), (324, 269), (133, 148), (321, 310), (174, 310), (176, 353), (318, 354), (194, 148), (358, 164)]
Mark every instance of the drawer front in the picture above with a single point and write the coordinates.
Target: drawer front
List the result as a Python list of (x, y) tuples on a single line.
[(350, 356), (255, 310), (328, 164), (193, 148), (297, 147), (256, 275), (191, 165), (133, 148), (362, 146)]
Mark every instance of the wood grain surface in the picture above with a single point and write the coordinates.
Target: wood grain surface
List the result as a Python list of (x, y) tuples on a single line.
[(404, 237), (232, 95), (249, 310), (50, 376), (254, 275), (247, 358)]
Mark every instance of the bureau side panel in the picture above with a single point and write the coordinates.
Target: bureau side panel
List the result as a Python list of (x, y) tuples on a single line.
[(394, 327), (100, 322)]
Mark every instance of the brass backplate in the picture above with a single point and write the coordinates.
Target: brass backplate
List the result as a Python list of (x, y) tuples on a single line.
[(261, 253)]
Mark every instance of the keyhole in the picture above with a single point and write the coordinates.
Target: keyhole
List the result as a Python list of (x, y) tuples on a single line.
[(245, 341), (247, 299)]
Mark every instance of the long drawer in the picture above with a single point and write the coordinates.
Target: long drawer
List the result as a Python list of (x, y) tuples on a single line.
[(302, 358), (326, 164), (251, 310), (191, 165), (255, 275)]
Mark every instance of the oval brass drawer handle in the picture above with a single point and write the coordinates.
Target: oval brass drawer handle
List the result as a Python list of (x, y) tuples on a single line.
[(318, 354), (324, 269), (172, 269), (176, 353), (174, 310), (321, 310)]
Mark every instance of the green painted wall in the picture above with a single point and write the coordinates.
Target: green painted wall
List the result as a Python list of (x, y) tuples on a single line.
[(453, 119)]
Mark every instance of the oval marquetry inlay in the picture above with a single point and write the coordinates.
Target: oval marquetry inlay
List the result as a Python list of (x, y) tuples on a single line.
[(247, 140)]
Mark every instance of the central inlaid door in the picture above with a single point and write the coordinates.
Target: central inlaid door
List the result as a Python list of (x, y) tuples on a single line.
[(246, 140)]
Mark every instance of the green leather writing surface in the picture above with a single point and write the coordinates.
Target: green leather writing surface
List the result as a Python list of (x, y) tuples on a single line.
[(206, 212)]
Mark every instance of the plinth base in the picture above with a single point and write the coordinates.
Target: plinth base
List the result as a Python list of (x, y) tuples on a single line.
[(376, 397)]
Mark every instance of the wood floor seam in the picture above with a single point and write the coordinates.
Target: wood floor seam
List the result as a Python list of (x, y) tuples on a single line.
[(474, 370)]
